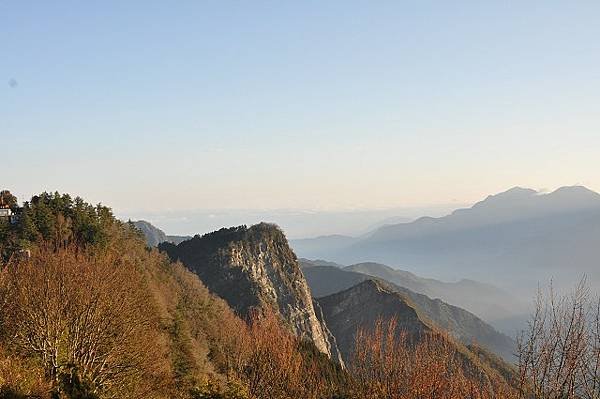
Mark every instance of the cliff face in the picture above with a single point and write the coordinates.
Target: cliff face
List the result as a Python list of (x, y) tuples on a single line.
[(254, 269), (152, 234), (155, 236)]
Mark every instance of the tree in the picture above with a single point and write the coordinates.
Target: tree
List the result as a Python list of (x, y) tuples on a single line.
[(559, 352), (8, 200), (272, 364), (63, 231), (72, 311), (388, 363), (60, 220)]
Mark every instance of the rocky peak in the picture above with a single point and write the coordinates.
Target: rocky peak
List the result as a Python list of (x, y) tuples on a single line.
[(152, 234), (361, 306), (254, 269)]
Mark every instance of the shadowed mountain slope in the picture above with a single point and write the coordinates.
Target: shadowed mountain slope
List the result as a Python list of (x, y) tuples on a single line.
[(463, 325), (361, 306), (485, 300)]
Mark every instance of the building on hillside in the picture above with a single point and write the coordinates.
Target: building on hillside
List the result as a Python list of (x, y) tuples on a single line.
[(7, 213)]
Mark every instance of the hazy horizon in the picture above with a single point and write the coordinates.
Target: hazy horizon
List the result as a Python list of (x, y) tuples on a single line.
[(297, 223), (285, 106)]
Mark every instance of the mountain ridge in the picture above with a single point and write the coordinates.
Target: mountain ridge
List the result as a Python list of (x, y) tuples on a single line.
[(362, 306), (344, 312), (327, 281), (536, 204), (485, 300), (518, 232), (254, 269)]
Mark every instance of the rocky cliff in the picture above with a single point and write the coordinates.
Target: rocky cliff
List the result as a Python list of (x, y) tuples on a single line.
[(152, 234), (254, 269), (155, 236)]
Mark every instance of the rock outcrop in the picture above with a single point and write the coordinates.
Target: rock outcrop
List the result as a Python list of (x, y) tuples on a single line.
[(152, 234), (155, 236), (254, 269)]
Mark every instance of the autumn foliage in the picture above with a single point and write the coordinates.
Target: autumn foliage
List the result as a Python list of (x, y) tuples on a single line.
[(89, 312), (274, 365), (389, 363), (87, 318)]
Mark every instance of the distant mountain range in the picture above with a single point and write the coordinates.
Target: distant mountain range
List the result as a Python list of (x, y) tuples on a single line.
[(515, 239), (512, 240)]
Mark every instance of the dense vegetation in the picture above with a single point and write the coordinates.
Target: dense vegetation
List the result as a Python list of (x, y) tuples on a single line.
[(91, 312), (58, 220), (390, 363), (200, 248), (88, 311)]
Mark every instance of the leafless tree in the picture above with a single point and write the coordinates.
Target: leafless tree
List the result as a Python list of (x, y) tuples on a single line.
[(388, 363), (272, 364), (84, 316), (559, 352)]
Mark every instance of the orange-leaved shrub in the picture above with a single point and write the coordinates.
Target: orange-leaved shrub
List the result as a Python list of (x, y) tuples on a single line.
[(389, 363), (87, 317)]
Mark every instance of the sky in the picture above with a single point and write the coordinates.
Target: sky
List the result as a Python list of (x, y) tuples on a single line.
[(329, 106)]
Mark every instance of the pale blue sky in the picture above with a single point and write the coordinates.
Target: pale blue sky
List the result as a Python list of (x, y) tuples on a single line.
[(331, 105)]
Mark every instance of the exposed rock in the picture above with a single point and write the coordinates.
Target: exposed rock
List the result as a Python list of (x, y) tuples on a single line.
[(254, 269), (336, 355), (153, 235)]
